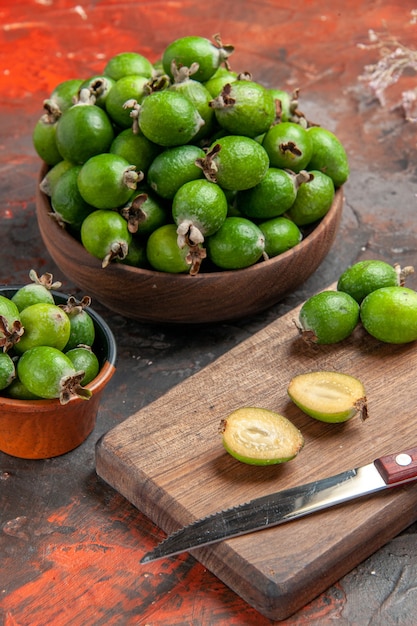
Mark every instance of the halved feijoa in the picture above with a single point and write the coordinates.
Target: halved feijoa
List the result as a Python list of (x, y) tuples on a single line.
[(329, 396), (260, 437)]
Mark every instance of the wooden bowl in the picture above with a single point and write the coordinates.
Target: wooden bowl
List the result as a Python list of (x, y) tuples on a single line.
[(151, 296), (41, 429)]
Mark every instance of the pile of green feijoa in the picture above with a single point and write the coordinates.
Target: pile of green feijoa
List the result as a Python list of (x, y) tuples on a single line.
[(370, 293), (184, 165), (47, 348)]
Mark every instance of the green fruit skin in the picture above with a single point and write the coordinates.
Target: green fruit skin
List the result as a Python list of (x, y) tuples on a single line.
[(241, 162), (83, 131), (84, 360), (168, 118), (329, 155), (101, 181), (253, 461), (44, 142), (128, 63), (67, 201), (314, 199), (390, 314), (281, 234), (31, 294), (252, 112), (201, 202), (7, 370), (135, 148), (289, 146), (163, 252), (237, 244), (101, 229), (65, 92), (187, 50), (273, 196), (329, 418), (174, 167), (126, 88), (45, 324), (82, 330), (366, 276), (18, 391), (9, 310), (331, 315), (41, 370)]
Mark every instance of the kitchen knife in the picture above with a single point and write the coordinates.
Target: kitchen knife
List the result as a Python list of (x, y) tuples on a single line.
[(276, 508)]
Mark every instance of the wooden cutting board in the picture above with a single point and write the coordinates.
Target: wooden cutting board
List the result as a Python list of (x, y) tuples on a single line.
[(168, 461)]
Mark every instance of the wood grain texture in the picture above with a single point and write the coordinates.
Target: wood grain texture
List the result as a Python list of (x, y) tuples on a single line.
[(168, 460), (150, 296)]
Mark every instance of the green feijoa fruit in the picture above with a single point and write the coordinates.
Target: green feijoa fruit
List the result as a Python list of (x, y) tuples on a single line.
[(44, 324), (7, 370), (244, 107), (329, 396), (260, 436), (126, 64), (83, 131), (238, 243), (32, 294), (366, 276), (105, 235), (281, 234), (82, 329), (329, 155), (65, 94), (135, 148), (18, 391), (48, 373), (66, 200), (220, 78), (144, 213), (194, 49), (390, 314), (47, 184), (174, 167), (84, 359), (163, 252), (199, 208), (168, 118), (11, 328), (199, 96), (314, 199), (106, 181), (271, 197), (39, 290), (127, 88), (99, 88), (44, 140), (136, 255), (289, 146), (328, 317), (282, 100), (235, 162)]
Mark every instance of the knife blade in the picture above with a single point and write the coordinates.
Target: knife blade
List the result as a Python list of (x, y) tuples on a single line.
[(282, 506)]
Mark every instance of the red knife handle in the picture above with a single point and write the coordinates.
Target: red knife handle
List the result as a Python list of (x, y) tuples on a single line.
[(398, 468)]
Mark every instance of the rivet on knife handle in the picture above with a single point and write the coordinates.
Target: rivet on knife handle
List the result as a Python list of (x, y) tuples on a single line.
[(397, 468)]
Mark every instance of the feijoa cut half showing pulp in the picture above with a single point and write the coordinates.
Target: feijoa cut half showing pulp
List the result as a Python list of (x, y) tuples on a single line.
[(329, 396), (259, 436)]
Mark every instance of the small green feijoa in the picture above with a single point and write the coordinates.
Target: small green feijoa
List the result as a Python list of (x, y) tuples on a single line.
[(328, 396), (328, 317), (259, 436)]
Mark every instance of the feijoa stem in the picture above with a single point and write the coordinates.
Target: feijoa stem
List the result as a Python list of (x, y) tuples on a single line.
[(71, 386)]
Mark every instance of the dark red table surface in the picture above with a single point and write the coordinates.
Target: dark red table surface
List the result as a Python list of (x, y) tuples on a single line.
[(69, 544)]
